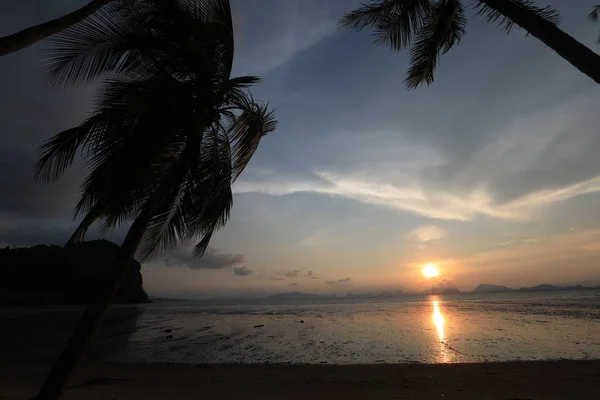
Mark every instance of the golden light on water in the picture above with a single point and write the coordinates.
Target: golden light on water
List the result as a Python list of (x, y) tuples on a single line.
[(446, 353), (430, 271), (438, 320)]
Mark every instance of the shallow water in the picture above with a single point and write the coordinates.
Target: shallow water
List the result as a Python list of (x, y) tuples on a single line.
[(435, 329)]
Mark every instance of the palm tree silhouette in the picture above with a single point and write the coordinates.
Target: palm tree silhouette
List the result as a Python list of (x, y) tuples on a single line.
[(170, 133), (29, 36), (433, 27)]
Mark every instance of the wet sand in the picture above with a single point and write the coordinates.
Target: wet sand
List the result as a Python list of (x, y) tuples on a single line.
[(522, 380)]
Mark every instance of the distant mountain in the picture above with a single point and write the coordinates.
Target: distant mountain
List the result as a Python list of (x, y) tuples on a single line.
[(487, 288), (546, 286), (64, 275), (543, 286), (397, 293), (294, 296), (444, 290)]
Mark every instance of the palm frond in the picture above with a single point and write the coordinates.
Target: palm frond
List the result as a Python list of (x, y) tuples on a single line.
[(170, 225), (202, 204), (167, 229), (594, 15), (58, 153), (369, 14), (495, 17), (245, 132), (214, 197), (170, 131), (396, 29), (394, 21), (130, 147), (443, 29), (106, 42)]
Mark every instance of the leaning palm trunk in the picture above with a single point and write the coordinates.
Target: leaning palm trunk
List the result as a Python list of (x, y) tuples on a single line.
[(27, 37), (577, 54), (75, 348)]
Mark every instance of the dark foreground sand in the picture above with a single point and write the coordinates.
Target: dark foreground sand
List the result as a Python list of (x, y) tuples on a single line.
[(527, 380)]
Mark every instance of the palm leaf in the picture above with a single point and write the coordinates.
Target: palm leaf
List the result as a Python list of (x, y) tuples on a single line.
[(394, 21), (443, 29), (170, 127), (109, 41), (58, 153), (594, 15), (495, 17), (245, 132)]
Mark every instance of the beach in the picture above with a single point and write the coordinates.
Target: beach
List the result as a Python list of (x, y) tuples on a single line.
[(514, 380), (505, 346), (421, 330)]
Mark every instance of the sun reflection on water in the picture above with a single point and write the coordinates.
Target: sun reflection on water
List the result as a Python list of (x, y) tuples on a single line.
[(438, 320), (446, 354)]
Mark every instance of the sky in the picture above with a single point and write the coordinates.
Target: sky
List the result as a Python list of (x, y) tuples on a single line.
[(491, 173)]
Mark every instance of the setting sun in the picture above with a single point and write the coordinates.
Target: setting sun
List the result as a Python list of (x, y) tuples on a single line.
[(430, 271)]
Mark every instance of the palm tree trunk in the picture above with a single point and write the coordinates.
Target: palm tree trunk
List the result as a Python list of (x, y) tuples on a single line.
[(27, 37), (73, 351), (576, 53)]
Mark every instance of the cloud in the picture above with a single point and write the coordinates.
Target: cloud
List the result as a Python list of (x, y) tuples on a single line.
[(296, 273), (312, 275), (514, 242), (275, 278), (438, 204), (427, 233), (554, 258), (242, 271), (339, 282), (294, 26), (260, 275), (212, 259), (507, 243), (294, 285)]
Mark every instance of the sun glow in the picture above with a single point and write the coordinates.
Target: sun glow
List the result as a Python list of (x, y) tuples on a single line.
[(430, 271)]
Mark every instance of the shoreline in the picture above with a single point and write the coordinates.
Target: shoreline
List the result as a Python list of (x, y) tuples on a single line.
[(564, 379)]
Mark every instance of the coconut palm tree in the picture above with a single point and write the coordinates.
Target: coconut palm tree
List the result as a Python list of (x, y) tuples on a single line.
[(433, 27), (27, 37), (170, 132)]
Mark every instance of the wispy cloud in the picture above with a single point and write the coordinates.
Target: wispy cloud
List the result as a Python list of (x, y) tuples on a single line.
[(212, 259), (432, 204), (428, 233), (242, 271), (538, 256), (339, 282), (294, 25)]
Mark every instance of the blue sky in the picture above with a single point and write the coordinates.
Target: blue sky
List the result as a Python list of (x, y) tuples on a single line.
[(492, 172)]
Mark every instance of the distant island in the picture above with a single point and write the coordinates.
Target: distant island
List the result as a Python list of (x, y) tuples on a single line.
[(488, 288), (63, 275), (294, 296), (482, 288)]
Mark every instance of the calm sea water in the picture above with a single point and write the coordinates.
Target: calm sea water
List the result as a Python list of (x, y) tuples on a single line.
[(435, 329)]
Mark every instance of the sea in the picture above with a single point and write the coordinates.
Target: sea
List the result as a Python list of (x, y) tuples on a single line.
[(522, 326)]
